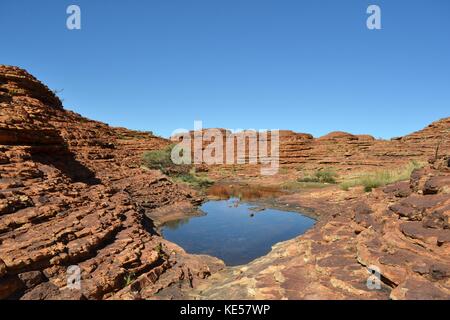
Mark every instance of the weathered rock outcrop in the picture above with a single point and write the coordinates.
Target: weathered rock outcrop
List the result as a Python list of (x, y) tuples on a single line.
[(402, 231), (344, 151), (72, 193)]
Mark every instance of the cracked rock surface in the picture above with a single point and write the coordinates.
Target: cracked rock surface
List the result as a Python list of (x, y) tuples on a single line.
[(72, 193), (403, 230)]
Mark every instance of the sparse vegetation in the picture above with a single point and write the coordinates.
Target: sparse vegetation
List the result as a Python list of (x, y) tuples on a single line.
[(124, 137), (16, 92), (129, 278), (57, 93), (293, 186), (160, 250), (326, 175), (161, 160), (382, 177), (283, 170), (193, 179)]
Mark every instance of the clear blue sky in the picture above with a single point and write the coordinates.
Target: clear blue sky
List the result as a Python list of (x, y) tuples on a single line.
[(311, 66)]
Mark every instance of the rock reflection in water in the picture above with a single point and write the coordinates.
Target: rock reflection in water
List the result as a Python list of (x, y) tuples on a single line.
[(175, 224), (242, 192), (232, 231)]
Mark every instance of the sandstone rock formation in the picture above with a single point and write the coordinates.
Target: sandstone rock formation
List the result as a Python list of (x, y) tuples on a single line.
[(72, 193), (402, 231), (343, 151)]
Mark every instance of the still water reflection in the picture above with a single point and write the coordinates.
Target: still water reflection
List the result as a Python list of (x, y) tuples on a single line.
[(234, 232)]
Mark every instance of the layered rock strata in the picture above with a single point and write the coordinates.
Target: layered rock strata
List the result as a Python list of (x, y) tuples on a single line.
[(72, 192), (401, 231)]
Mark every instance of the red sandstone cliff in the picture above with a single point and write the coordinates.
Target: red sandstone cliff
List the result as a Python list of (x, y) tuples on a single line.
[(347, 152), (72, 193)]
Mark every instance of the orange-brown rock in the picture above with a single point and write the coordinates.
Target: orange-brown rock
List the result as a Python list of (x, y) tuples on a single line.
[(355, 233), (72, 192), (347, 152)]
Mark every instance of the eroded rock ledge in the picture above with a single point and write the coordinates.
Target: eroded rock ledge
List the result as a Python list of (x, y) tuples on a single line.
[(402, 229), (72, 193)]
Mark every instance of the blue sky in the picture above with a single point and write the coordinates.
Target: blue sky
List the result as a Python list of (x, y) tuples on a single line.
[(311, 66)]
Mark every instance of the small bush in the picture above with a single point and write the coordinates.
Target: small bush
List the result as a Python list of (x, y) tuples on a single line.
[(160, 250), (326, 176), (161, 160), (308, 179), (129, 279), (57, 93), (158, 159), (378, 180), (346, 185), (322, 176)]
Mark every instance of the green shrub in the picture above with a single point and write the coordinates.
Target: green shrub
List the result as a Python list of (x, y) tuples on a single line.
[(161, 160), (326, 175), (158, 159), (308, 179), (346, 185), (378, 180), (129, 279)]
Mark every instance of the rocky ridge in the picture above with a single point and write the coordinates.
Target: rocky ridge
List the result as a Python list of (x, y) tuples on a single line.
[(72, 192), (342, 151), (345, 151)]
